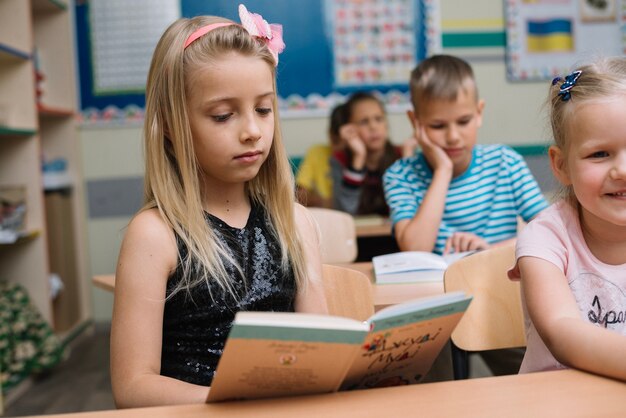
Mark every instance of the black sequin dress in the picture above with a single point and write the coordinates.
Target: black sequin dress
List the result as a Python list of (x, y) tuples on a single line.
[(195, 327)]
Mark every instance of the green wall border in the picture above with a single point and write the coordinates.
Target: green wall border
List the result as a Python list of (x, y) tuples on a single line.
[(474, 39), (532, 150), (6, 131)]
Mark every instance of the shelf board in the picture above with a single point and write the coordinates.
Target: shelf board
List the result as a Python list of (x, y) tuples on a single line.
[(7, 238), (13, 132), (40, 6), (54, 112), (9, 54)]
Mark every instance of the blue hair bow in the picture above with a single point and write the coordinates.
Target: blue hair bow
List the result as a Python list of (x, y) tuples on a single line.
[(568, 83)]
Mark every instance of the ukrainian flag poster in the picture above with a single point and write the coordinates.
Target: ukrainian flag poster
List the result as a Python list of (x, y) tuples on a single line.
[(546, 38), (549, 35)]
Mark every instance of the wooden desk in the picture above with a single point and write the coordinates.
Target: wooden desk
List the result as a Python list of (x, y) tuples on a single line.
[(105, 281), (566, 393), (373, 230), (372, 226), (384, 295)]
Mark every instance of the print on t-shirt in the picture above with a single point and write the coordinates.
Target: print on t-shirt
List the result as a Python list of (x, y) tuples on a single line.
[(601, 301)]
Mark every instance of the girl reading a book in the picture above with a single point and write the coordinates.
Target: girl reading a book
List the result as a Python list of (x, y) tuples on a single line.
[(220, 231)]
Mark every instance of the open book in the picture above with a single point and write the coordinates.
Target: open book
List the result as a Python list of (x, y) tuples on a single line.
[(270, 354), (413, 266)]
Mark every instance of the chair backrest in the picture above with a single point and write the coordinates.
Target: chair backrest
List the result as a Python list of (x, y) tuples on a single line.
[(494, 319), (337, 235), (348, 292)]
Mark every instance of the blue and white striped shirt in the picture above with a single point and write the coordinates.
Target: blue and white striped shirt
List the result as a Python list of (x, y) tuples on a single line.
[(485, 200)]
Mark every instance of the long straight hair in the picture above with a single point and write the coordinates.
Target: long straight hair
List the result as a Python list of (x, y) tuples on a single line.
[(172, 179)]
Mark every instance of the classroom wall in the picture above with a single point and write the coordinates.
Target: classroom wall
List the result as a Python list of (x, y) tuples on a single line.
[(113, 157)]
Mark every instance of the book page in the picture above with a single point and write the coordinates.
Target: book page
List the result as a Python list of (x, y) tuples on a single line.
[(413, 266), (401, 350)]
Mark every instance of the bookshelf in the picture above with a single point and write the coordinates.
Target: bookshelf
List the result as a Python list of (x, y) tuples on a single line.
[(37, 35)]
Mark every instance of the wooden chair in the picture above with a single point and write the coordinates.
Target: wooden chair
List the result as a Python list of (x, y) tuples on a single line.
[(494, 319), (348, 292), (337, 235)]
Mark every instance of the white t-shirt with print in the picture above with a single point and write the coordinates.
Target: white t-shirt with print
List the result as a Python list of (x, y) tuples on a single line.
[(555, 235)]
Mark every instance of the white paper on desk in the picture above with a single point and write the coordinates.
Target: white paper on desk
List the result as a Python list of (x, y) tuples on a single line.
[(412, 266)]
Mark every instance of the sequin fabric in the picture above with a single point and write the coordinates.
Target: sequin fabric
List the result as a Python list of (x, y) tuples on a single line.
[(195, 327)]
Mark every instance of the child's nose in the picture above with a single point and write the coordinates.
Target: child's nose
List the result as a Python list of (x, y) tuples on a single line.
[(618, 171), (453, 135), (373, 125), (251, 131)]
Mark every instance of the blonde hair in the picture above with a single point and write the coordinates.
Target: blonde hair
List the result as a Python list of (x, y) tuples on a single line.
[(602, 80), (172, 181), (441, 77)]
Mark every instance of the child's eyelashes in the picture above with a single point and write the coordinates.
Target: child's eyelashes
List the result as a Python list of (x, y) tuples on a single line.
[(438, 126), (264, 110), (221, 118), (598, 154)]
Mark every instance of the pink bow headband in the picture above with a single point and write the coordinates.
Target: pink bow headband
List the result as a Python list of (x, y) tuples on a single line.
[(255, 25)]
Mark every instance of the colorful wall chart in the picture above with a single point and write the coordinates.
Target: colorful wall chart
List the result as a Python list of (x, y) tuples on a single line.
[(334, 47), (374, 44)]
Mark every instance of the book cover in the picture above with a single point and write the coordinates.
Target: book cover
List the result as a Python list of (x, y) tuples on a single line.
[(413, 266), (271, 354), (286, 354)]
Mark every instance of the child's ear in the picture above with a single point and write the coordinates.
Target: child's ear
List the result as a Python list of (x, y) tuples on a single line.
[(558, 165), (480, 106)]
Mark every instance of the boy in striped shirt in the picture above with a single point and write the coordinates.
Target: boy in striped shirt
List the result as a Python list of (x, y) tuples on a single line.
[(455, 195)]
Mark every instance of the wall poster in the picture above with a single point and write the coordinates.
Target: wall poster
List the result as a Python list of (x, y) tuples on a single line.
[(546, 38)]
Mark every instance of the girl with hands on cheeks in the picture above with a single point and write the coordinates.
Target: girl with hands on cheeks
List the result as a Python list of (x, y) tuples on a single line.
[(366, 152), (455, 195)]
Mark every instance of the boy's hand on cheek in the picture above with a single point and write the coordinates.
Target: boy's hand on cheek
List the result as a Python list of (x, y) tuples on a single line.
[(434, 154), (464, 241)]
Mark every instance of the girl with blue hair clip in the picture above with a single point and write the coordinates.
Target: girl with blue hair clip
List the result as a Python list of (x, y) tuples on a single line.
[(571, 259)]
